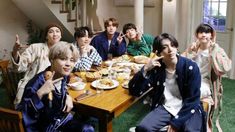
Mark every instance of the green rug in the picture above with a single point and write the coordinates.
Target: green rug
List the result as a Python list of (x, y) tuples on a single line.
[(135, 114)]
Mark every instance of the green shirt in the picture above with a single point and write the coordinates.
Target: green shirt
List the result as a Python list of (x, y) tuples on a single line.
[(143, 47)]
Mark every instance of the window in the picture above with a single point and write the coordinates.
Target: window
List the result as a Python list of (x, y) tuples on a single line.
[(214, 13)]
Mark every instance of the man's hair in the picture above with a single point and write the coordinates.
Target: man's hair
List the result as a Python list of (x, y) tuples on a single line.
[(113, 20), (205, 28), (60, 50), (81, 32), (157, 44), (128, 26), (50, 26)]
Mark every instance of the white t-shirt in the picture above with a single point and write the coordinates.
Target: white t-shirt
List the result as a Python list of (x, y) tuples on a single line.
[(173, 99), (202, 60)]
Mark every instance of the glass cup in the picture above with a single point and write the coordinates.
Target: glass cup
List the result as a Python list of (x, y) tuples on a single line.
[(120, 78), (110, 56), (99, 90), (83, 76)]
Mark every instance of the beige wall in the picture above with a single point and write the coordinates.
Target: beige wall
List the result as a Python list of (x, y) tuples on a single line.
[(106, 8), (12, 22)]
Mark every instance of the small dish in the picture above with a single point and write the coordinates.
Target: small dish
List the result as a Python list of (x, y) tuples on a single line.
[(108, 63), (125, 84), (77, 85)]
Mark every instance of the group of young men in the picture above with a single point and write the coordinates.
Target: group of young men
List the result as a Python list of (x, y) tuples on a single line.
[(180, 82)]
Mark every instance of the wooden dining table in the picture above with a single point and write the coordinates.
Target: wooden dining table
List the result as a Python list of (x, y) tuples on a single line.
[(104, 106)]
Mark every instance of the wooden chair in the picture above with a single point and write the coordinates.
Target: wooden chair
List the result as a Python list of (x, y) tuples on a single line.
[(10, 80), (11, 120)]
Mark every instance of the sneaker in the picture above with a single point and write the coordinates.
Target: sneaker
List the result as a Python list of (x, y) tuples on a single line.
[(132, 129)]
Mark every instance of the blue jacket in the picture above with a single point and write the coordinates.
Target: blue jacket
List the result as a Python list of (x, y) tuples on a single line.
[(100, 42), (189, 82), (37, 115)]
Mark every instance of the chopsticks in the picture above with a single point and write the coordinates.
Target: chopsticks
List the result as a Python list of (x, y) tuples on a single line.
[(84, 96)]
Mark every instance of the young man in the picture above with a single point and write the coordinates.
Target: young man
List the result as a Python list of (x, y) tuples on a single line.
[(109, 42), (213, 63), (45, 103), (34, 59), (88, 54), (176, 89), (139, 44)]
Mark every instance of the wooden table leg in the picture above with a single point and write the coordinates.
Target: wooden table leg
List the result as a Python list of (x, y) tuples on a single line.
[(110, 127), (105, 124)]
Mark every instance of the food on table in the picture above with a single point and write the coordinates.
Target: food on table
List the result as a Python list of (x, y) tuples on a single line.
[(77, 85), (106, 82), (104, 72), (152, 55), (126, 57), (91, 76), (108, 63), (141, 59), (125, 84)]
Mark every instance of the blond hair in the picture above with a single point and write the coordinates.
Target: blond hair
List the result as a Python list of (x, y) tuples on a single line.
[(60, 50)]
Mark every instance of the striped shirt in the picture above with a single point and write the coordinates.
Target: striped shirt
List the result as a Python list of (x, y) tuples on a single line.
[(84, 63)]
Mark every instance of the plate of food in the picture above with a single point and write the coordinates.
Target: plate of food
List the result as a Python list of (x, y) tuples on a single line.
[(141, 59), (105, 83)]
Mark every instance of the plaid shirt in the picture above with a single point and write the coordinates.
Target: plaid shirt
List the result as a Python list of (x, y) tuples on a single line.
[(85, 62)]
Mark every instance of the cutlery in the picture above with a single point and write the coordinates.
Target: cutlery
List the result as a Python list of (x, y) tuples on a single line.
[(85, 95)]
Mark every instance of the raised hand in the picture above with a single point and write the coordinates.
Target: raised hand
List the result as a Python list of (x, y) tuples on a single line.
[(194, 46), (48, 86), (16, 47), (153, 63), (171, 129), (139, 32), (86, 50), (120, 37)]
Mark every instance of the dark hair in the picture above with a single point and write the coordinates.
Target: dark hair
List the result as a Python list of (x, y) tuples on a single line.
[(81, 32), (157, 43), (50, 26), (128, 26), (205, 28), (113, 20)]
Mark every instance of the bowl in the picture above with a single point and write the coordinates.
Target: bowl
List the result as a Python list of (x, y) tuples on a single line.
[(108, 63), (77, 85)]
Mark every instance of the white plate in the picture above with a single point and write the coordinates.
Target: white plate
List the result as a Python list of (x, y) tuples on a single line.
[(96, 85)]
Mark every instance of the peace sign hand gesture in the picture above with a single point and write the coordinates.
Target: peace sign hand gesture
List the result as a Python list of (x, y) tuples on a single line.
[(48, 86), (120, 37), (152, 63)]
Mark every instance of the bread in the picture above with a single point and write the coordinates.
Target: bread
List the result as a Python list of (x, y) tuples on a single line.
[(125, 57), (92, 76), (141, 59), (48, 75)]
